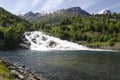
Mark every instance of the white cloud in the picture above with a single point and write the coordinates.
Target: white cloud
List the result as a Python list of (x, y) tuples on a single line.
[(0, 4), (84, 4), (114, 6), (35, 2), (88, 3), (55, 4), (21, 6), (110, 7), (51, 4)]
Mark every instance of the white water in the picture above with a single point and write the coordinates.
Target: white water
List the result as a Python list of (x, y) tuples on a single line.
[(43, 42)]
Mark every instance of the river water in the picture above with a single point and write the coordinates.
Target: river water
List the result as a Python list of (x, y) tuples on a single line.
[(69, 65)]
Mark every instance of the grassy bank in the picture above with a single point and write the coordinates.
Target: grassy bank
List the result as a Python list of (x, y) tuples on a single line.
[(4, 72), (102, 45)]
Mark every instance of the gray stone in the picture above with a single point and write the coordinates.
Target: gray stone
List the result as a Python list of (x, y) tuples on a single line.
[(21, 76)]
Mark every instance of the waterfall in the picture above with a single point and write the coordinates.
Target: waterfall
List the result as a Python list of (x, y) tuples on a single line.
[(42, 42)]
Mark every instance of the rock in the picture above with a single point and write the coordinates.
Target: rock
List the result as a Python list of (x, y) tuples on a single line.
[(34, 40), (27, 33), (44, 38), (1, 61), (24, 46), (14, 73), (20, 72), (21, 76), (52, 44), (12, 67)]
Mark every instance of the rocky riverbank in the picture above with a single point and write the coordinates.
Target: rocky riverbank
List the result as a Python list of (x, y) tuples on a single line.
[(21, 72)]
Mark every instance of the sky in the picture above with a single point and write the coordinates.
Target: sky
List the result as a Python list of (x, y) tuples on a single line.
[(91, 6)]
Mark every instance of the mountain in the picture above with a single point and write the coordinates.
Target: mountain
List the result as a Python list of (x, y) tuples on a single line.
[(55, 16), (11, 27), (105, 12), (73, 11), (7, 19), (73, 24), (30, 15)]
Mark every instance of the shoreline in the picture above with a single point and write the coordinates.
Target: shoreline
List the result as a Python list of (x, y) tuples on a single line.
[(89, 49), (21, 72)]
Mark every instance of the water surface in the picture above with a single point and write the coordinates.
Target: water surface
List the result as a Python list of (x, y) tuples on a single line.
[(69, 65)]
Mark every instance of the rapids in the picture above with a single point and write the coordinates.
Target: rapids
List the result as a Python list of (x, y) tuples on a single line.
[(42, 42)]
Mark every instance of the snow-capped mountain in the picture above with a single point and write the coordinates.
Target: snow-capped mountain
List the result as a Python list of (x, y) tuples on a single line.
[(105, 12)]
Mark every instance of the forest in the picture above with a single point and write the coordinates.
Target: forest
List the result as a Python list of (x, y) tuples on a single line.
[(95, 31), (11, 27)]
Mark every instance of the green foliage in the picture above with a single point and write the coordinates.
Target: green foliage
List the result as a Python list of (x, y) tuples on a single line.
[(11, 27), (4, 72), (99, 28), (65, 22), (11, 38), (111, 43)]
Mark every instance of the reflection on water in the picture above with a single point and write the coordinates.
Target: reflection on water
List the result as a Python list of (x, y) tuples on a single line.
[(69, 65)]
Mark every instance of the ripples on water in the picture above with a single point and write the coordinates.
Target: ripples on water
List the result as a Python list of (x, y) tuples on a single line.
[(69, 65)]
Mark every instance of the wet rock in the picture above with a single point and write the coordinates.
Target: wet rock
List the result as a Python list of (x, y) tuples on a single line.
[(52, 44), (44, 38), (27, 33), (37, 36), (34, 40)]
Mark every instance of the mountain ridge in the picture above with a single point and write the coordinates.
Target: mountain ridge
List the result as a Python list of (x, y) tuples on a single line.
[(72, 11)]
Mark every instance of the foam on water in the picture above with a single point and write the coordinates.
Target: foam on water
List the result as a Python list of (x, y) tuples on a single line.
[(43, 42)]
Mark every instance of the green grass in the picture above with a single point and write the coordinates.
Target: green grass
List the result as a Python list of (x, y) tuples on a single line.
[(4, 73), (109, 45)]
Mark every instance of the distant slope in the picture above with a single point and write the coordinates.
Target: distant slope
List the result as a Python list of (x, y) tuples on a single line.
[(73, 11), (54, 17), (98, 31), (7, 19), (11, 26)]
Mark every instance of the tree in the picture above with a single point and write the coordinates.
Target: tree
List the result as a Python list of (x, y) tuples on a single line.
[(11, 38), (66, 21)]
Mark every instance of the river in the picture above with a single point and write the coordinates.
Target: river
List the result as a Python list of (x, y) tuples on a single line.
[(69, 65)]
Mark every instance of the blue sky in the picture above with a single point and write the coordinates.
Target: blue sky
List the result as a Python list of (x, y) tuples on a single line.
[(22, 6)]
